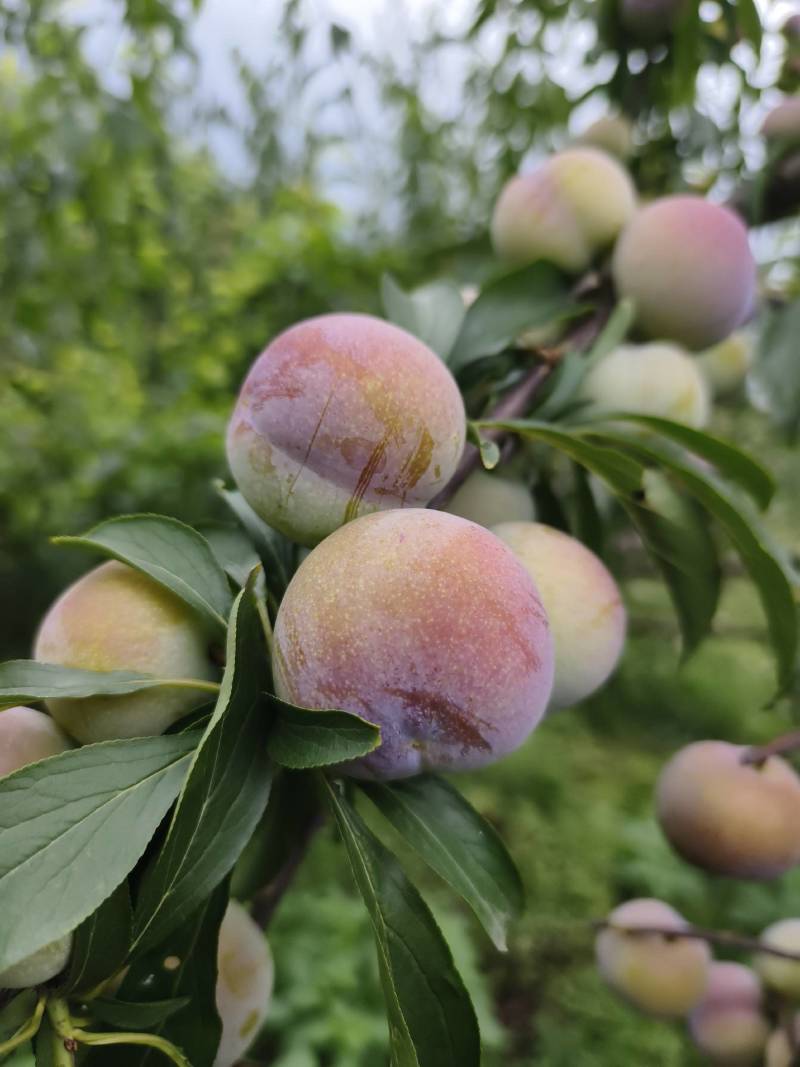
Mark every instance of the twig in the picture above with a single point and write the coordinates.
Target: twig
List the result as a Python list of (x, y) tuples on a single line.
[(518, 400), (699, 933), (780, 746)]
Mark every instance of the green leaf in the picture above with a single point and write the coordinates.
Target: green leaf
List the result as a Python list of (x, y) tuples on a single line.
[(432, 312), (431, 1019), (232, 550), (25, 681), (622, 473), (532, 296), (169, 552), (458, 843), (686, 54), (773, 384), (273, 548), (124, 1015), (587, 522), (574, 366), (304, 737), (225, 791), (103, 801), (730, 461), (101, 943), (490, 452), (49, 1046), (748, 539), (675, 531), (190, 955), (284, 828)]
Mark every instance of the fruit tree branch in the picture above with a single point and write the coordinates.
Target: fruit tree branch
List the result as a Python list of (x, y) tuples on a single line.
[(780, 746), (699, 933)]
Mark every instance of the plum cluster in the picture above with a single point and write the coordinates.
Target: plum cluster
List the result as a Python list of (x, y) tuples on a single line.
[(736, 1015)]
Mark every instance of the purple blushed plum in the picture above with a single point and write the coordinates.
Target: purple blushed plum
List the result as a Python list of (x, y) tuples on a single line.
[(425, 624), (343, 415)]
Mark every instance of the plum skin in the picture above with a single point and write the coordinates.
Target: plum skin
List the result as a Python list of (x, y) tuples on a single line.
[(661, 976), (729, 1024), (729, 817), (780, 974), (342, 415), (566, 211), (116, 618), (245, 974), (583, 604), (490, 498), (27, 736), (651, 379), (425, 624), (686, 264)]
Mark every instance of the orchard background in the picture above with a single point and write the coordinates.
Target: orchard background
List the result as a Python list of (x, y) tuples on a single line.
[(154, 241)]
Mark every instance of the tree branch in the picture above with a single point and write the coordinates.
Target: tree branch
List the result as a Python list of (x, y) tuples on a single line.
[(780, 746), (699, 933)]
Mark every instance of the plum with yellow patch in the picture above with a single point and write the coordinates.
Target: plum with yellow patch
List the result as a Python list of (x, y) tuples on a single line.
[(490, 498), (610, 133), (730, 1025), (653, 379), (566, 211), (728, 816), (116, 618), (687, 266), (27, 736), (245, 974), (660, 975), (583, 604), (342, 415), (725, 366), (425, 624)]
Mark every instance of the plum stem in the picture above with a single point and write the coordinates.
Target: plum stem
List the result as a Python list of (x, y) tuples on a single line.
[(26, 1031), (701, 933), (780, 746), (518, 400)]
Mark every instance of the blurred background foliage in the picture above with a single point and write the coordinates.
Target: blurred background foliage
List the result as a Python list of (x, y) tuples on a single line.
[(141, 272)]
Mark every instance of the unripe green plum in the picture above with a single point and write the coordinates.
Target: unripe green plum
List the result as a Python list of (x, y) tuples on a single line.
[(342, 415), (729, 1024), (783, 122), (245, 974), (653, 379), (649, 21), (583, 604), (566, 211), (729, 817), (39, 967), (725, 366), (612, 134), (781, 975), (686, 264), (27, 736), (659, 975), (490, 498), (425, 624), (116, 618)]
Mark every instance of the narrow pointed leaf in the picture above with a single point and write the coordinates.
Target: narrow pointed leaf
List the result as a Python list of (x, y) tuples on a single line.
[(302, 738), (25, 681), (730, 461), (125, 1015), (225, 792), (457, 843), (168, 551), (101, 801), (100, 944), (431, 1019)]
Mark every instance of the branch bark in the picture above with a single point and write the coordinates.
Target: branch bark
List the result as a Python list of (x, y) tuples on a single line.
[(780, 746), (700, 933)]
